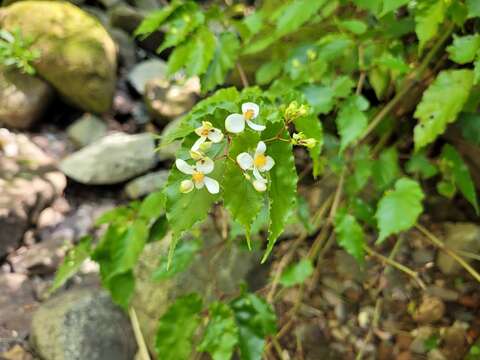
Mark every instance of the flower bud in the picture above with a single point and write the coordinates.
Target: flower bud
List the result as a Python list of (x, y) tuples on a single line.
[(295, 111), (186, 186)]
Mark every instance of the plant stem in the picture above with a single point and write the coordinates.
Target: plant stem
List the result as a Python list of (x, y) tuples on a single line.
[(243, 77), (142, 347), (436, 241), (410, 81)]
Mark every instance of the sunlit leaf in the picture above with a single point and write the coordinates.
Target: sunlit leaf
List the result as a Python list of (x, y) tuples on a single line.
[(464, 48), (297, 273)]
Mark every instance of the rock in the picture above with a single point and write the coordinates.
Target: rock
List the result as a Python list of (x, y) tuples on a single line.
[(125, 17), (423, 256), (152, 297), (430, 310), (421, 335), (82, 324), (443, 293), (87, 130), (460, 237), (23, 98), (125, 47), (168, 151), (147, 5), (146, 184), (113, 159), (77, 55), (145, 71), (455, 342), (16, 353), (29, 183), (436, 354)]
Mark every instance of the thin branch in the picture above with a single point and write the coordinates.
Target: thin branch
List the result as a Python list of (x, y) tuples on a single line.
[(243, 77)]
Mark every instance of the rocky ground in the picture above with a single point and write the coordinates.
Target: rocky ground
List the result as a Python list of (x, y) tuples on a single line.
[(61, 166)]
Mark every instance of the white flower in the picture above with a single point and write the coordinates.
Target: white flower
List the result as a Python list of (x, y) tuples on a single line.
[(235, 123), (207, 132), (258, 163), (8, 145), (202, 167)]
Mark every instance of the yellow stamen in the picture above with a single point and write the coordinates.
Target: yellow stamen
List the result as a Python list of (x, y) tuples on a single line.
[(260, 161), (248, 114), (198, 177)]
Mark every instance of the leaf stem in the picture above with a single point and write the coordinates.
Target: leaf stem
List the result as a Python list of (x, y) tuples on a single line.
[(243, 77), (142, 347), (439, 243)]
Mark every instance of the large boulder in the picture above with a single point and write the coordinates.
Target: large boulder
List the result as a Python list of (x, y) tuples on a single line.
[(82, 324), (29, 183), (112, 159), (77, 55), (23, 98)]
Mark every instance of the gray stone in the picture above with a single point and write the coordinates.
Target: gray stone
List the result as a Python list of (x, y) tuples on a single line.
[(430, 310), (146, 184), (87, 130), (125, 47), (125, 17), (459, 237), (23, 98), (145, 71), (152, 298), (113, 159), (29, 183), (82, 324)]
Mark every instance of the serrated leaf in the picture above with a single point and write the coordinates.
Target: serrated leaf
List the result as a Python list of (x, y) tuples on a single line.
[(386, 168), (429, 16), (240, 197), (72, 262), (294, 14), (399, 209), (391, 5), (312, 128), (221, 334), (156, 19), (464, 48), (176, 328), (184, 255), (473, 8), (255, 319), (440, 105), (363, 170), (461, 174), (194, 54), (297, 273), (350, 235), (225, 57), (351, 121), (420, 164), (282, 192), (182, 24)]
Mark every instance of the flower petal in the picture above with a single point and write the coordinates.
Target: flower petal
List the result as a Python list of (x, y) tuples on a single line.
[(257, 175), (199, 184), (205, 165), (235, 123), (245, 161), (260, 186), (268, 165), (251, 106), (198, 143), (212, 185), (255, 127), (186, 186), (184, 167), (261, 148), (215, 136)]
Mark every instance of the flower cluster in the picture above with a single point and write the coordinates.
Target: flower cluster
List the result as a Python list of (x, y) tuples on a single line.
[(257, 162)]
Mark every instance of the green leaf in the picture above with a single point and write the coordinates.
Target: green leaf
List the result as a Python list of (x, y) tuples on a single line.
[(363, 170), (372, 5), (177, 327), (399, 209), (156, 19), (240, 197), (152, 207), (182, 258), (470, 125), (225, 57), (473, 8), (255, 320), (296, 13), (268, 71), (351, 120), (391, 5), (440, 105), (464, 48), (386, 168), (297, 273), (420, 164), (121, 288), (355, 26), (282, 192), (461, 174), (195, 54), (428, 17), (72, 262), (350, 235), (221, 334), (312, 128)]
